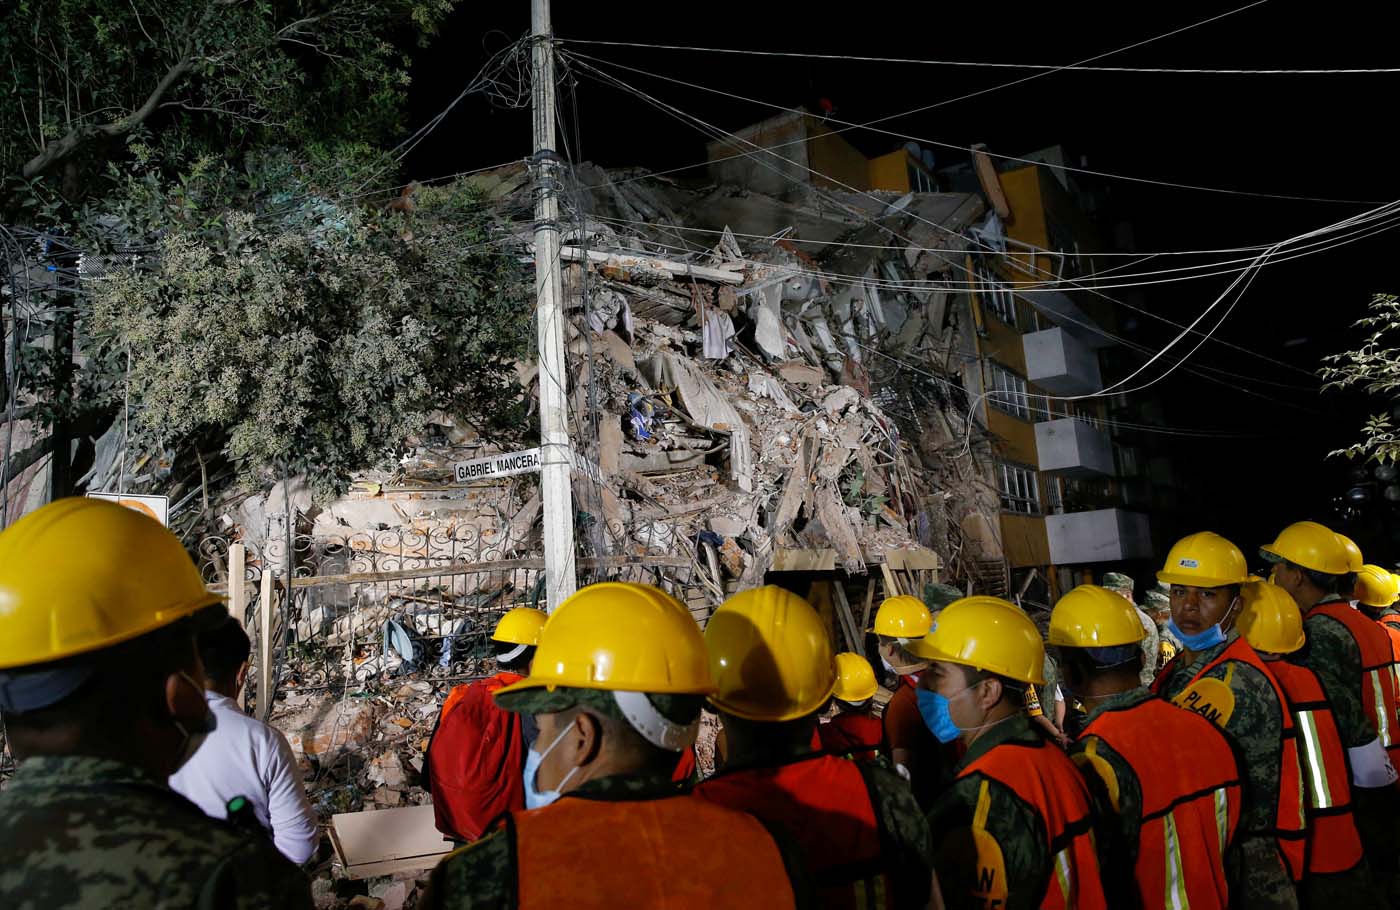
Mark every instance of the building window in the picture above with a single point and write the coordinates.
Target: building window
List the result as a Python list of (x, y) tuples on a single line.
[(996, 297), (920, 181), (1007, 391), (1019, 491)]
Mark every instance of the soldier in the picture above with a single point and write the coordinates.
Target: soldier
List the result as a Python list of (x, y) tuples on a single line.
[(1122, 585), (1219, 676), (861, 834), (1169, 820), (1159, 606), (855, 731), (914, 753), (1336, 863), (1352, 657), (1014, 828), (103, 697), (616, 689)]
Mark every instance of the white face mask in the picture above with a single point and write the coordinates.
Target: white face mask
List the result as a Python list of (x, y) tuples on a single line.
[(535, 799)]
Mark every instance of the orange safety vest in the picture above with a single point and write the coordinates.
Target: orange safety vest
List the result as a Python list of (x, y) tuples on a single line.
[(678, 852), (855, 736), (1290, 823), (1391, 624), (1045, 779), (1190, 809), (824, 803), (474, 760), (1377, 671), (1333, 842)]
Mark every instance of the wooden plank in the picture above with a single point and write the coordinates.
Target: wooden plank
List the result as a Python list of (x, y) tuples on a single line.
[(385, 841), (265, 644), (848, 621), (869, 602), (892, 587), (238, 584), (785, 560), (990, 180)]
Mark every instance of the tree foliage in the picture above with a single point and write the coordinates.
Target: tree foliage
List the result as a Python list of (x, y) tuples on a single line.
[(1373, 368), (317, 341)]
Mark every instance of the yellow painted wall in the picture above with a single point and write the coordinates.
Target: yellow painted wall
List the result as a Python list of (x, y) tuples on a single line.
[(830, 154), (1015, 438), (1025, 540), (1003, 344), (1023, 194), (890, 172)]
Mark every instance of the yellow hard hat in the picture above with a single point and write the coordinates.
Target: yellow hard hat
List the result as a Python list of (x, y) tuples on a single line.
[(1354, 558), (902, 616), (1376, 587), (987, 633), (855, 678), (1204, 560), (80, 575), (1312, 546), (520, 626), (620, 636), (770, 656), (1094, 617), (1270, 620)]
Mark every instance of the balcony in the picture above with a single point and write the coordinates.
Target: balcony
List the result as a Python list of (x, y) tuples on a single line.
[(1102, 535), (1060, 363), (1073, 448)]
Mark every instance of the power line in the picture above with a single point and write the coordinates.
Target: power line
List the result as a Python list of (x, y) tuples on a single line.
[(848, 125), (997, 65)]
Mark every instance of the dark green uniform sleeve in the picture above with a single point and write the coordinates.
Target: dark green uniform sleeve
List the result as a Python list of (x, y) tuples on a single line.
[(479, 876), (1117, 799), (256, 877), (1255, 724), (996, 851), (1334, 656), (904, 834)]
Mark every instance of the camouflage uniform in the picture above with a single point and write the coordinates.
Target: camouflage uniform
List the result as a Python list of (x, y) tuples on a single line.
[(1151, 643), (484, 876), (1014, 825), (1333, 655), (77, 831), (1256, 727)]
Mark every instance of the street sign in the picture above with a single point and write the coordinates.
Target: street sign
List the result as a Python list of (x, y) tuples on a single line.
[(526, 461), (157, 507)]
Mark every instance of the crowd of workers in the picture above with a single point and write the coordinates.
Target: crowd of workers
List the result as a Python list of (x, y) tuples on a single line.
[(1230, 746)]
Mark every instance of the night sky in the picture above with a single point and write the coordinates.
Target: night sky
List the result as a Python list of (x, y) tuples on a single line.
[(1301, 135)]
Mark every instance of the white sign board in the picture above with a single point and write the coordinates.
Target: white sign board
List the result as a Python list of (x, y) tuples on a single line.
[(157, 507), (526, 461)]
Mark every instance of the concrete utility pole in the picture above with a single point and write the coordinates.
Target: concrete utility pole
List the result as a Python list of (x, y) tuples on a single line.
[(556, 455)]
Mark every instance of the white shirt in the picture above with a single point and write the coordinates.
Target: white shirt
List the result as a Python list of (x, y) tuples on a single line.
[(248, 758)]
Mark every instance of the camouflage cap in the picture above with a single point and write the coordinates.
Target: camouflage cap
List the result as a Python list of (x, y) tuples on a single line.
[(1156, 600), (1117, 581), (678, 709), (937, 596)]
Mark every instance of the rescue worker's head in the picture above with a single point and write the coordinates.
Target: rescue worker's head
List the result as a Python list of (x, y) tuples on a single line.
[(1158, 605), (516, 637), (1375, 590), (900, 620), (1119, 584), (774, 670), (1096, 635), (224, 650), (1271, 621), (1204, 571), (855, 682), (1311, 562), (616, 688), (99, 609), (983, 653)]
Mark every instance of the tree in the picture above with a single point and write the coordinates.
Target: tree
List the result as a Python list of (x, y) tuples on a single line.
[(1373, 368)]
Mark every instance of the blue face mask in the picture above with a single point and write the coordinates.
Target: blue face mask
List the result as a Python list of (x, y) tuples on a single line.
[(535, 799), (1201, 641), (933, 707)]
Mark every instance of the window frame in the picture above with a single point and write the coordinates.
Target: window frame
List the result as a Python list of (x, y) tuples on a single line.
[(1018, 488)]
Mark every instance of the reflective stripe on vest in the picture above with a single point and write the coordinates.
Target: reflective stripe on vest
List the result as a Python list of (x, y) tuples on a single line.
[(1291, 825), (1333, 842), (1190, 810), (1378, 680), (1043, 778), (824, 803), (591, 854)]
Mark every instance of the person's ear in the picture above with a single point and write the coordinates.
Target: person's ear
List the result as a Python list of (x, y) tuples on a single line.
[(241, 676), (586, 739), (184, 695), (989, 692)]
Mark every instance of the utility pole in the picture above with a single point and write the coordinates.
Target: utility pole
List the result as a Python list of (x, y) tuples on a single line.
[(556, 454)]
